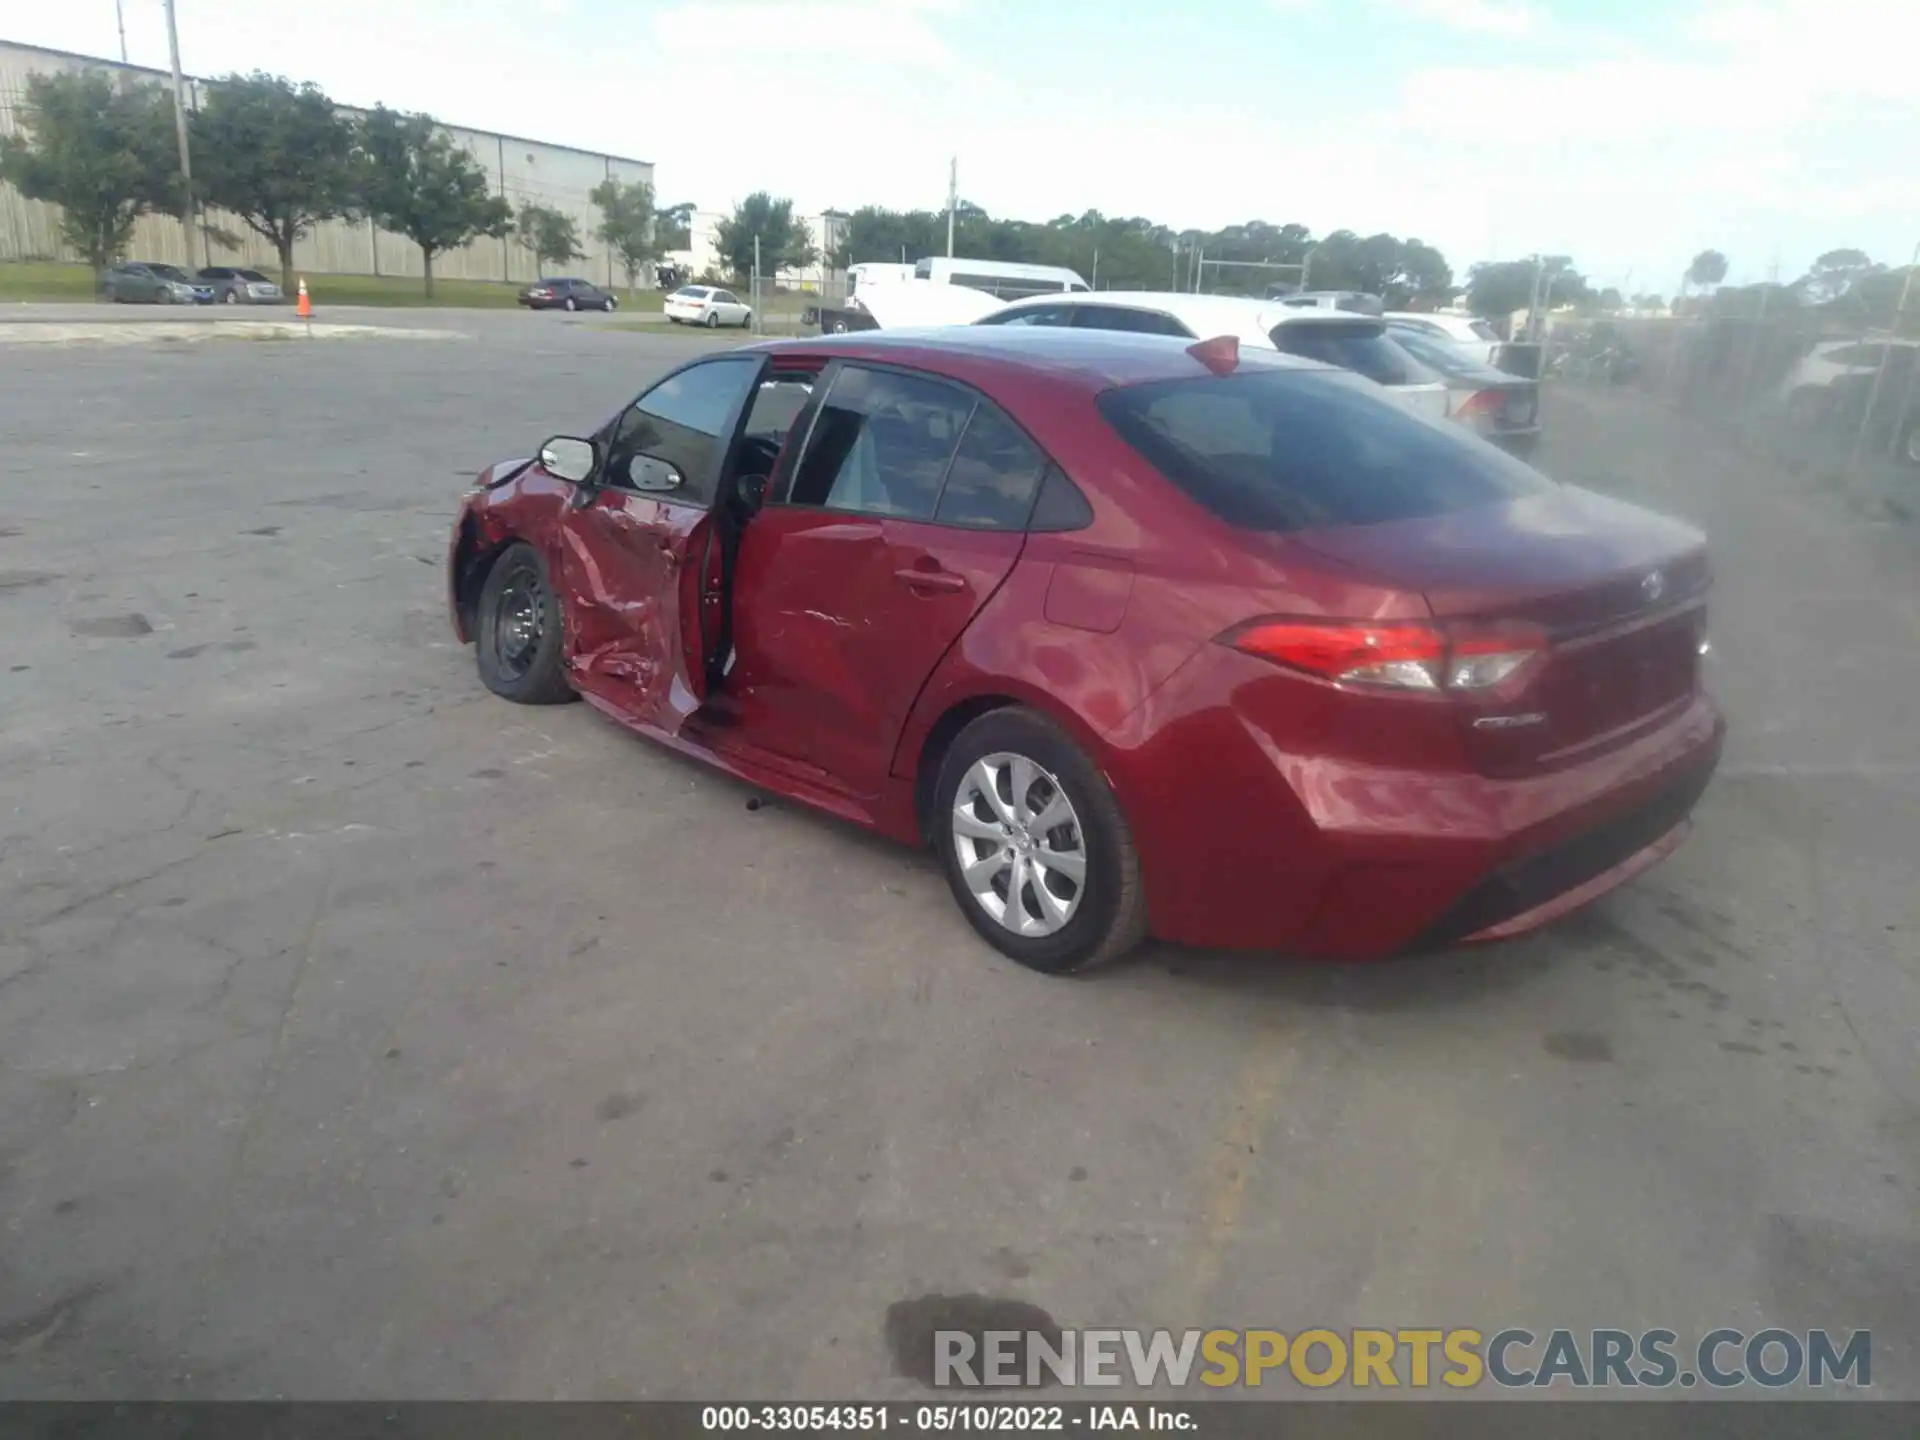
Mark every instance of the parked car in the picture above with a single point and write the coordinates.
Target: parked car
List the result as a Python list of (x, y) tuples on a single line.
[(145, 282), (235, 285), (1500, 407), (1810, 388), (1468, 332), (567, 294), (1351, 341), (707, 305), (1356, 302), (1198, 640)]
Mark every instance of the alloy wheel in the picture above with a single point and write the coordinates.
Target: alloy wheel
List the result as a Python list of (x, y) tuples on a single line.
[(1022, 853)]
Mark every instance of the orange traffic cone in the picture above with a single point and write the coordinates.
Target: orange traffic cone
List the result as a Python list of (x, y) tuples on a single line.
[(305, 308)]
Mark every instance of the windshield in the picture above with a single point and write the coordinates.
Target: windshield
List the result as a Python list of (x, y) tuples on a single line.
[(1295, 450), (1362, 348)]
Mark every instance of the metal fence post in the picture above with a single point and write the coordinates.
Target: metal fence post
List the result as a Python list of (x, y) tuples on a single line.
[(759, 320), (1880, 375)]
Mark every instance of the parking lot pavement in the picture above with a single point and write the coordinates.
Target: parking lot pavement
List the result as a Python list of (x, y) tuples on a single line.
[(364, 1035)]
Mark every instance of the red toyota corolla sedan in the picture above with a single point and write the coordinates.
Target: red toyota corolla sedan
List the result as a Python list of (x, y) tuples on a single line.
[(1144, 636)]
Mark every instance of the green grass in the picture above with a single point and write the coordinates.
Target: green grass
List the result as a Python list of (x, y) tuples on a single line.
[(44, 280), (54, 281)]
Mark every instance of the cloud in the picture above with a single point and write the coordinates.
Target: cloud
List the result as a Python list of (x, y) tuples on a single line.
[(1478, 17), (890, 33)]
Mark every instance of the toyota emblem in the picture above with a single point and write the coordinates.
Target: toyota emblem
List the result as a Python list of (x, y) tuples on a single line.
[(1652, 586)]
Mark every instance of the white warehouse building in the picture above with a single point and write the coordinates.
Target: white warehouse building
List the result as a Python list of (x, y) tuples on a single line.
[(522, 170)]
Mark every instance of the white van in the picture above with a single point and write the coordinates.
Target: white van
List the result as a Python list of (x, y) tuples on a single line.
[(1002, 278)]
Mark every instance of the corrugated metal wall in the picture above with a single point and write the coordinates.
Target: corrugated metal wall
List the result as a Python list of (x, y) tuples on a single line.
[(522, 170)]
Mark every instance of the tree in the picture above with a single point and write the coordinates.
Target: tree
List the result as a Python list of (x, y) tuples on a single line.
[(675, 226), (1649, 301), (418, 183), (277, 156), (1609, 301), (1501, 287), (628, 225), (785, 242), (1837, 272), (104, 155), (550, 234), (1709, 267)]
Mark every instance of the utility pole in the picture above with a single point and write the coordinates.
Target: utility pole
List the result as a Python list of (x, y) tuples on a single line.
[(953, 199), (180, 129), (120, 14)]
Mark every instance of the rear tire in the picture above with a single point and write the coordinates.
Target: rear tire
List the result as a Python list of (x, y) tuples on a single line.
[(1104, 909), (572, 304), (519, 630), (230, 298), (713, 320)]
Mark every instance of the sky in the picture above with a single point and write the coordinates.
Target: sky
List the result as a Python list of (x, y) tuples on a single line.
[(1629, 134)]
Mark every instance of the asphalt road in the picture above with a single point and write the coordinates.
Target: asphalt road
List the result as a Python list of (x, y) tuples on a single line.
[(362, 1035)]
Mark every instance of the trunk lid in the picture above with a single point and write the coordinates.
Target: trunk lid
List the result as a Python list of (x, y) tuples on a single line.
[(1617, 592)]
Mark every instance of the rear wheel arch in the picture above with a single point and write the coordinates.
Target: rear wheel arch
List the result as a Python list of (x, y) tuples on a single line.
[(962, 712)]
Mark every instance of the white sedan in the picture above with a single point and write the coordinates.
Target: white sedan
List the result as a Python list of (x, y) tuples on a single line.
[(708, 306)]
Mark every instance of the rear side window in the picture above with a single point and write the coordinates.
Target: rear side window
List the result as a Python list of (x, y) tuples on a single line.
[(1138, 322), (880, 444), (1280, 450), (1032, 315), (991, 481), (1363, 349)]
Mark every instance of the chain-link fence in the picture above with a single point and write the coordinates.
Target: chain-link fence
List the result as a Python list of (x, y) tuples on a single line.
[(1833, 391)]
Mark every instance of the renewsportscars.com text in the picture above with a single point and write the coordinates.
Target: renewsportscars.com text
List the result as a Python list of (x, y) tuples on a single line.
[(1460, 1359)]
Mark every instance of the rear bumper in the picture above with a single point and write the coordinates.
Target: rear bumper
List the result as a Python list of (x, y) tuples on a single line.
[(1558, 842), (1296, 833)]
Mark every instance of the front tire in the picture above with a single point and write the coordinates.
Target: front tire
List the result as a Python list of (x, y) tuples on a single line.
[(230, 298), (519, 631), (610, 304), (1036, 851)]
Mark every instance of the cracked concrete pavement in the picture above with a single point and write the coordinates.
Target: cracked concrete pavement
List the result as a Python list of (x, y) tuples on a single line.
[(364, 1036)]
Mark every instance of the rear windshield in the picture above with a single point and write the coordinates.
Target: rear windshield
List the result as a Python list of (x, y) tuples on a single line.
[(1305, 450), (1446, 357), (254, 275), (1484, 330), (691, 292), (169, 272), (1362, 347)]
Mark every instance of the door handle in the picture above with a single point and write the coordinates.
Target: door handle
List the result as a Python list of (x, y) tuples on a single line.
[(919, 579)]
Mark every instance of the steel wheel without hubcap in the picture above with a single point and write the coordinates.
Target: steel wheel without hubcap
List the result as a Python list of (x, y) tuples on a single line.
[(1021, 850), (519, 622)]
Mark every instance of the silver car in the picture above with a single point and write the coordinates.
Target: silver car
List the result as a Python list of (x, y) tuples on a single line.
[(234, 285)]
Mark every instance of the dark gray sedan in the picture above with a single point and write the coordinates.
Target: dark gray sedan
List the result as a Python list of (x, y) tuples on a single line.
[(146, 282)]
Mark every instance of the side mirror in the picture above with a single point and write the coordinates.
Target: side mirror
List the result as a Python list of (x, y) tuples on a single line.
[(566, 458), (650, 473)]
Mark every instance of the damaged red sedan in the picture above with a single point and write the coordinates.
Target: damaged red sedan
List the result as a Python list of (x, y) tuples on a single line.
[(1143, 636)]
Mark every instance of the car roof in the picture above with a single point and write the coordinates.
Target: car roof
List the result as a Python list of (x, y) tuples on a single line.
[(1248, 318), (1091, 359)]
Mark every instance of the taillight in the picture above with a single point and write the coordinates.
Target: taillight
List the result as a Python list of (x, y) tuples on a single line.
[(1399, 656), (1482, 404)]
